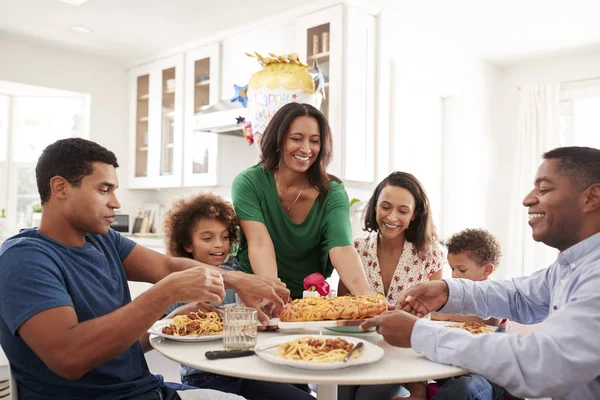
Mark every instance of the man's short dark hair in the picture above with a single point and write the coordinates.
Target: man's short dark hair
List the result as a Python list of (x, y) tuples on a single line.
[(72, 159), (582, 164), (480, 246)]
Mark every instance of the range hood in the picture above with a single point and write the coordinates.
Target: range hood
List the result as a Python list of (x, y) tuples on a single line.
[(220, 118)]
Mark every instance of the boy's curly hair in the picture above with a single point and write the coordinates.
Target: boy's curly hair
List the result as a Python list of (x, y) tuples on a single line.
[(183, 216), (482, 246)]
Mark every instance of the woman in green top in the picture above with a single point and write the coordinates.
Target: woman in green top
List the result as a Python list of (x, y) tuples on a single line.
[(294, 216)]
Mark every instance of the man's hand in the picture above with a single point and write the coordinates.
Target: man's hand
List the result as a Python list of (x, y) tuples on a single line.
[(252, 289), (395, 326), (424, 298), (198, 284)]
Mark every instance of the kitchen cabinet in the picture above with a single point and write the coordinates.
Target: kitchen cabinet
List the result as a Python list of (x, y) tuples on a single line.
[(156, 124), (202, 89), (170, 148), (342, 40)]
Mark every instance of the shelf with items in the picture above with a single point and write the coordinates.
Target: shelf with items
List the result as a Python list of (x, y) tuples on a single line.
[(319, 52), (141, 134), (167, 159)]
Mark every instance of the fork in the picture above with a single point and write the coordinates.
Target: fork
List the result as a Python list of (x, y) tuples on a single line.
[(358, 346)]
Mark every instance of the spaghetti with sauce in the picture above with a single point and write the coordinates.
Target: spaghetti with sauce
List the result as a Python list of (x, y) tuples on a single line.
[(320, 350), (473, 327), (195, 323)]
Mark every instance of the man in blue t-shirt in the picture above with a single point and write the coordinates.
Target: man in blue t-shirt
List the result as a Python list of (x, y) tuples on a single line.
[(67, 322)]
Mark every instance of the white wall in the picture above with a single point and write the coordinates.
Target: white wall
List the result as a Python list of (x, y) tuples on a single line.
[(425, 70), (563, 67), (36, 63)]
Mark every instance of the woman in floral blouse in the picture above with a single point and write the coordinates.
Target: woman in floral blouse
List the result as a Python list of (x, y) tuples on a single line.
[(400, 247), (399, 250)]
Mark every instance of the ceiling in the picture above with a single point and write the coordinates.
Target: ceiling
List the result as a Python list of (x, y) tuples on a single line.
[(507, 31), (130, 30)]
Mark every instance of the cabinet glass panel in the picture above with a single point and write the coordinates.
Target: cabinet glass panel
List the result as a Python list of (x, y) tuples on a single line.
[(141, 134), (167, 121), (201, 85), (317, 42), (201, 152)]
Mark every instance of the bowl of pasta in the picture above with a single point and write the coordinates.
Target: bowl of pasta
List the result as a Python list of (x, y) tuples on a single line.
[(315, 352), (194, 327)]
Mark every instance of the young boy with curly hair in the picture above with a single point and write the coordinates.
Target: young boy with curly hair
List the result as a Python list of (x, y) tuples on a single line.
[(472, 254), (204, 228)]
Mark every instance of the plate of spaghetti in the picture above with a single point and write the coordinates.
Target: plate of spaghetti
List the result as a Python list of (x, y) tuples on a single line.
[(194, 327), (317, 352), (473, 327)]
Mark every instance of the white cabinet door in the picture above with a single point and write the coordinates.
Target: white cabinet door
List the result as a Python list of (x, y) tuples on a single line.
[(343, 41), (139, 127), (359, 96), (202, 88), (156, 127)]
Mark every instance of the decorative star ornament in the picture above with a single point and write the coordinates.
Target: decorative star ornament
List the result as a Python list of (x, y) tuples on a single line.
[(240, 120), (241, 95)]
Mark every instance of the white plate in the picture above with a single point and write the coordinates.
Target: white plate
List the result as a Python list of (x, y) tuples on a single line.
[(156, 329), (369, 353), (320, 324), (450, 323)]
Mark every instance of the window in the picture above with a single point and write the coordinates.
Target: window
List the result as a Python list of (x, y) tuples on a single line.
[(30, 119), (580, 113)]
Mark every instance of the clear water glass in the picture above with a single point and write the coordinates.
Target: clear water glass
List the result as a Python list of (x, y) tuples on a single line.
[(240, 328)]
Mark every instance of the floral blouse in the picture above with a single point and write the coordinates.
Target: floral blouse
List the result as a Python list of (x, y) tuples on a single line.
[(411, 268)]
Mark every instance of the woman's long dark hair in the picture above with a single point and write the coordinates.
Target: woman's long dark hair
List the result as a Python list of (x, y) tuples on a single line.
[(421, 231), (276, 133)]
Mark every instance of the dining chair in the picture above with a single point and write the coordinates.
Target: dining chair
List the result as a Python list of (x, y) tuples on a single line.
[(13, 385)]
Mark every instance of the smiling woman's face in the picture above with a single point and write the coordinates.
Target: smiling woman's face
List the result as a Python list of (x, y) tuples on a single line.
[(302, 144), (395, 211)]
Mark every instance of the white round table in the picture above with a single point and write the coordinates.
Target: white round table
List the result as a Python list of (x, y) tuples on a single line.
[(397, 365)]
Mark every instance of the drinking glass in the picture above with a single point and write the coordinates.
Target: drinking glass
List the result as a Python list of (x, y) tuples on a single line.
[(240, 328)]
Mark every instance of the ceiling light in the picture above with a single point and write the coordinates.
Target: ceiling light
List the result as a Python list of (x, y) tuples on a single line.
[(80, 29), (73, 2)]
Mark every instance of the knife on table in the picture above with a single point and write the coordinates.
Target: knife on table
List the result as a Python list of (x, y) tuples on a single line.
[(215, 355)]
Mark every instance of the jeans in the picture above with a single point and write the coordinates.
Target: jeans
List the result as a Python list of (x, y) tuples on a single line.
[(166, 391), (465, 387), (248, 388), (371, 392)]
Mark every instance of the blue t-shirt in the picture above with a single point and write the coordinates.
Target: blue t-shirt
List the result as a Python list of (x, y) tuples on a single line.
[(38, 273)]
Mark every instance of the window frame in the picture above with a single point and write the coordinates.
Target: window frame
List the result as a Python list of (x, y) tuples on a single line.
[(9, 167), (569, 93)]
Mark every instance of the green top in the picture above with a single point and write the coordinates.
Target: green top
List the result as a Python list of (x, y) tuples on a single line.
[(300, 249)]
